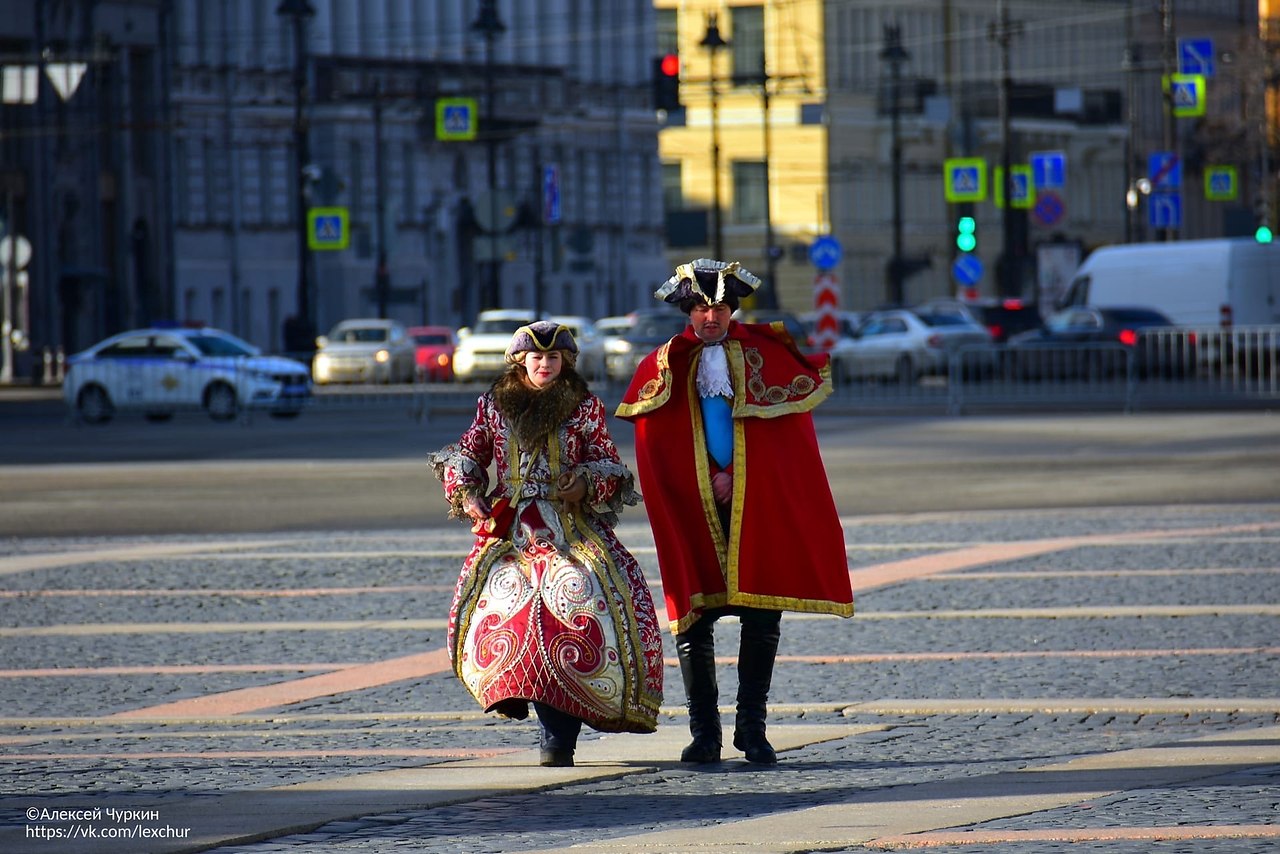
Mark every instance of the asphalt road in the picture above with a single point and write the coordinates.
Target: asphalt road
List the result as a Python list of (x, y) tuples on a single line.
[(361, 468)]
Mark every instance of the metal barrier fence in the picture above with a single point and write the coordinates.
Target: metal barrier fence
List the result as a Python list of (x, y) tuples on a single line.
[(1162, 368)]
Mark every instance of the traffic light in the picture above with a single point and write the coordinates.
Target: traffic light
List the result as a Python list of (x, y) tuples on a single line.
[(1263, 234), (966, 234), (666, 82)]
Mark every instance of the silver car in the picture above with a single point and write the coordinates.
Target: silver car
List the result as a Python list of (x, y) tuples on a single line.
[(901, 345), (367, 350)]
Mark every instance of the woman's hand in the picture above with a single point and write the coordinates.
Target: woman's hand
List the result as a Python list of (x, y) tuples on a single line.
[(722, 487), (572, 490), (476, 508)]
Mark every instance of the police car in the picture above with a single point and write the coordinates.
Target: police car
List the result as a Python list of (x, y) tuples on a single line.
[(160, 371)]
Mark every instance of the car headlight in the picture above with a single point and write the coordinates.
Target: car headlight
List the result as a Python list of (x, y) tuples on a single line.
[(382, 356), (322, 366), (443, 360)]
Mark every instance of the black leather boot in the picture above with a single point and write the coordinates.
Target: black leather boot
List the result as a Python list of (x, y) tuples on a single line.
[(759, 646), (559, 736), (697, 652)]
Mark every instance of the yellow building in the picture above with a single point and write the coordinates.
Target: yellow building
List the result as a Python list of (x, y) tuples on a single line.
[(772, 187)]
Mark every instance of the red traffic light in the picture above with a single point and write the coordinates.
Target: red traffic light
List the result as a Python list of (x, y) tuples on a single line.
[(670, 65)]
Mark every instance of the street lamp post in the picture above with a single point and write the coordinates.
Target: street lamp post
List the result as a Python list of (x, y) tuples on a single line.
[(300, 329), (894, 54), (713, 42), (489, 26)]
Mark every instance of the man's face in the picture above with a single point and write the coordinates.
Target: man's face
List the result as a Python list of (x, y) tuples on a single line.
[(710, 322)]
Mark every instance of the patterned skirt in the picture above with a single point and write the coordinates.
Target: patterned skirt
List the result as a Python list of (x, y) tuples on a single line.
[(572, 628)]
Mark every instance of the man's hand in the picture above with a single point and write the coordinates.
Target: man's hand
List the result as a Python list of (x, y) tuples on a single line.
[(722, 487), (572, 490)]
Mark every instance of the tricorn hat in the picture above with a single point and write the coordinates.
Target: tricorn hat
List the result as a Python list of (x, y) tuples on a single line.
[(708, 281), (541, 335)]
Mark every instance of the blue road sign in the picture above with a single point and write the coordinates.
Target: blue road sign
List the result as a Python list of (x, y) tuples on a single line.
[(1164, 170), (966, 269), (551, 194), (1049, 170), (825, 252), (1195, 56), (1164, 210)]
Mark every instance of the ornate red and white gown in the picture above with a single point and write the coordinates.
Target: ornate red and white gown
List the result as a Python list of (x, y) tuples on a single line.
[(553, 609)]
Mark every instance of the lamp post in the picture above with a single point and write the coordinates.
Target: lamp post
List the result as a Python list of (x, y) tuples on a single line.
[(894, 54), (300, 330), (489, 26), (713, 42)]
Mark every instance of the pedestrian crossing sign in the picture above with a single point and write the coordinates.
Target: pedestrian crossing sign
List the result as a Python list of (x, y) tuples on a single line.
[(456, 119), (1187, 92), (1221, 184), (965, 179), (328, 228), (1021, 189)]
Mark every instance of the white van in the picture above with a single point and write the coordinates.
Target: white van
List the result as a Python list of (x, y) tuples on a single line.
[(1229, 281)]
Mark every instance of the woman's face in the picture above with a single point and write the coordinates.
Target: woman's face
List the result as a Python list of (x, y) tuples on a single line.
[(543, 368)]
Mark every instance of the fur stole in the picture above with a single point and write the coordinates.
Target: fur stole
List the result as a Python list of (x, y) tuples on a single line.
[(533, 413)]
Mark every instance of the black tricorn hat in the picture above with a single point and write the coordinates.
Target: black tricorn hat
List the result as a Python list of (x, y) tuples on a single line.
[(708, 281)]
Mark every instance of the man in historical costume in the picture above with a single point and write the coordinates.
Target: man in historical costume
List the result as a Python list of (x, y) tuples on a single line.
[(736, 492), (550, 608)]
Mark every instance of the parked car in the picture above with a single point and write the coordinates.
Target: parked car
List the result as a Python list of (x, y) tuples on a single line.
[(1087, 342), (481, 351), (159, 371), (433, 353), (612, 329), (590, 344), (650, 329), (365, 350), (903, 345)]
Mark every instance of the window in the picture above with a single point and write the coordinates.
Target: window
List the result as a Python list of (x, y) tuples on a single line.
[(667, 24), (749, 191), (672, 189), (747, 42)]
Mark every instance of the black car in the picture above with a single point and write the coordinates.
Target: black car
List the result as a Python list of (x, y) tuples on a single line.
[(1085, 342), (1003, 318)]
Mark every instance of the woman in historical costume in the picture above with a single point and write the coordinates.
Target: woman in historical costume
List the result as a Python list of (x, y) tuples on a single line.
[(550, 608)]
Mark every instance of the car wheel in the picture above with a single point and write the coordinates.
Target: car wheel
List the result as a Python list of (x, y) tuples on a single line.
[(94, 405), (220, 402), (158, 417)]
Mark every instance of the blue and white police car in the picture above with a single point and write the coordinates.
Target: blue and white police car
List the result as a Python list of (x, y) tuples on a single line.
[(160, 371)]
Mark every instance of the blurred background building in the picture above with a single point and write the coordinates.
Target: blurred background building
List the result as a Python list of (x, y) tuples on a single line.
[(274, 167)]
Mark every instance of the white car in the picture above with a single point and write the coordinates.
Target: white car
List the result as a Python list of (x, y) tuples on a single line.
[(590, 344), (366, 350), (160, 371), (481, 351)]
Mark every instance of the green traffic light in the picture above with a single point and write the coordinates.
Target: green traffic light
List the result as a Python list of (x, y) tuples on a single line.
[(1263, 234), (966, 239)]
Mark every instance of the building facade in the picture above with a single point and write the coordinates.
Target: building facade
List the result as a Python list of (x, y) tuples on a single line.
[(554, 205), (83, 130), (903, 86)]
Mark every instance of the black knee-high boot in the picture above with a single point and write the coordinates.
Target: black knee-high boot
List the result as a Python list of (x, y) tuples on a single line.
[(696, 649), (759, 646)]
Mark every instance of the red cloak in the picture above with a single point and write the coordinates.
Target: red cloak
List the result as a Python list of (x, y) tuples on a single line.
[(785, 547)]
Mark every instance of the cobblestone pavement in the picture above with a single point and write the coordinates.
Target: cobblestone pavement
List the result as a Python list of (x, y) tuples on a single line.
[(160, 675)]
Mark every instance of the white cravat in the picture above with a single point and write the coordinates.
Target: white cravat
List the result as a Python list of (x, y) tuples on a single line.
[(713, 373)]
